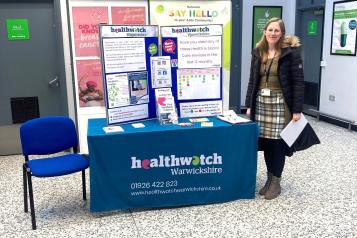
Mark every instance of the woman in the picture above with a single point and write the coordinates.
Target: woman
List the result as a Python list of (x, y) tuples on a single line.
[(275, 96)]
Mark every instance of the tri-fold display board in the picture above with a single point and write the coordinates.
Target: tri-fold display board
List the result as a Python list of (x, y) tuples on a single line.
[(132, 70)]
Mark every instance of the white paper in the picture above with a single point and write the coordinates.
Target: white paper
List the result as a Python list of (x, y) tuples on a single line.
[(161, 72), (163, 92), (110, 129), (122, 114), (199, 52), (138, 125), (202, 119), (198, 83), (124, 54), (292, 131), (231, 117), (201, 109), (206, 124)]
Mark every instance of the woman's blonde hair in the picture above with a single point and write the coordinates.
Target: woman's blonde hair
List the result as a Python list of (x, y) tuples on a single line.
[(263, 46)]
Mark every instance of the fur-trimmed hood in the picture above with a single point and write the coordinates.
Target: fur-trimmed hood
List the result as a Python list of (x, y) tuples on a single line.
[(292, 41)]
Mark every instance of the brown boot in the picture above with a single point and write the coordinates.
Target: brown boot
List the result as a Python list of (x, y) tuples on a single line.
[(274, 189), (264, 189)]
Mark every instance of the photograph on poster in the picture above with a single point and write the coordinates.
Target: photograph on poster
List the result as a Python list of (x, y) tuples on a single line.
[(86, 31), (138, 87), (126, 89), (128, 15), (261, 15), (343, 38), (160, 72), (198, 83), (124, 54), (197, 109), (199, 52), (90, 84)]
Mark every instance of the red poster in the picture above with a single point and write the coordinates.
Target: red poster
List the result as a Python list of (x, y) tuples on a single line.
[(86, 30), (90, 83), (129, 15)]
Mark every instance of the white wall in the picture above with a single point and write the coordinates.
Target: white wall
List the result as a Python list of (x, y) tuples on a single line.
[(288, 18), (338, 77)]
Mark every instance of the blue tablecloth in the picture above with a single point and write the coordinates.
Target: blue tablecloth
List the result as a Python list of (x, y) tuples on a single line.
[(169, 165)]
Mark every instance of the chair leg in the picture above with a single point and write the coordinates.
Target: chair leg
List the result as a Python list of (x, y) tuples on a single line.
[(24, 176), (32, 206), (84, 184)]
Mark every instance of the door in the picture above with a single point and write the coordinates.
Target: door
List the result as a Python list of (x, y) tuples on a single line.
[(28, 69), (310, 31)]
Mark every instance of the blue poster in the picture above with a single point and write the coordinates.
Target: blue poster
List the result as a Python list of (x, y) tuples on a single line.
[(126, 52), (196, 61)]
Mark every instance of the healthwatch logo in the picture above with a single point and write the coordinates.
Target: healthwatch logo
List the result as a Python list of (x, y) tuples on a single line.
[(164, 161), (190, 29), (128, 29)]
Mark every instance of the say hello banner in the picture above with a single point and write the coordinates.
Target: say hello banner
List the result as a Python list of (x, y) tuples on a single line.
[(176, 13)]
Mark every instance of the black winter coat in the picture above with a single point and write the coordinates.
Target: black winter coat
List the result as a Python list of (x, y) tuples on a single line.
[(290, 75)]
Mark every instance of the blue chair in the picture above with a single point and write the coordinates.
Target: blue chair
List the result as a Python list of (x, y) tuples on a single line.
[(45, 136)]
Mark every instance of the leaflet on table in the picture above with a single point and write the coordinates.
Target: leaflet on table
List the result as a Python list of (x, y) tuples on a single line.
[(138, 125), (110, 129), (126, 89), (207, 124), (165, 106), (202, 119), (231, 117), (199, 109), (198, 83), (160, 72), (167, 113)]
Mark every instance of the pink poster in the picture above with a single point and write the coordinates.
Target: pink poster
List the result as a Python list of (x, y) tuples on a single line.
[(86, 30), (90, 83), (129, 15)]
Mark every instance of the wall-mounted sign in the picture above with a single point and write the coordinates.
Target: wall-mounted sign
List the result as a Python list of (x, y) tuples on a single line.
[(261, 15), (17, 29), (343, 39), (312, 28)]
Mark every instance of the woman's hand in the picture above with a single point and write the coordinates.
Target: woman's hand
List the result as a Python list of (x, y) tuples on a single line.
[(248, 111), (296, 116)]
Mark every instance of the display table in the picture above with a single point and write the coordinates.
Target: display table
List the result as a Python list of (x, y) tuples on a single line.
[(159, 166)]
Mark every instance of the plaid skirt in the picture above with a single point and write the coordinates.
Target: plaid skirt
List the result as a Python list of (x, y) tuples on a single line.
[(270, 114)]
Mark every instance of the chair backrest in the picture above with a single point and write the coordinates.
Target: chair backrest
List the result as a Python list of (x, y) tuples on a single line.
[(48, 135)]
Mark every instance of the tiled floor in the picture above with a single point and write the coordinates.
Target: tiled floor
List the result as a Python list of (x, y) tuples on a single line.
[(319, 199)]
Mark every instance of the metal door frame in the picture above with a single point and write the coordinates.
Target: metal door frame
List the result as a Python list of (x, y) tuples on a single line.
[(299, 11)]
